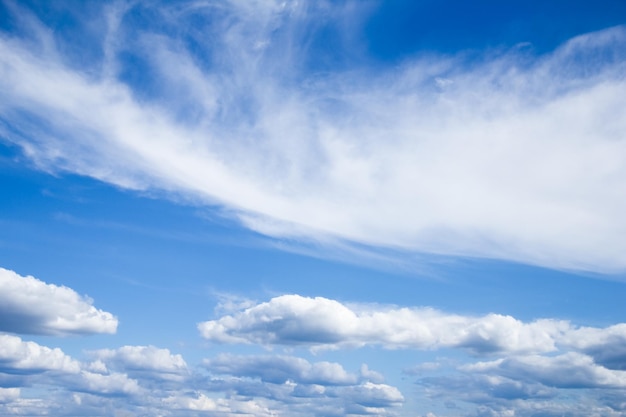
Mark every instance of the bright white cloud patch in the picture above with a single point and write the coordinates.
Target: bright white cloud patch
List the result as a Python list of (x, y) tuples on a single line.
[(321, 322), (34, 363), (512, 156), (18, 355), (28, 305)]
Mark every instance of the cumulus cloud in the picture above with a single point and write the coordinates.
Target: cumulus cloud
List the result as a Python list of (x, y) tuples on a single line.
[(107, 384), (9, 394), (28, 305), (510, 156), (569, 370), (375, 395), (220, 406), (17, 355), (147, 379), (280, 369), (607, 346), (34, 363), (297, 386), (321, 322), (160, 363)]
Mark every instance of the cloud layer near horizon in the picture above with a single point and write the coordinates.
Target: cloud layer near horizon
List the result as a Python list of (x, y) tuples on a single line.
[(509, 155), (523, 366)]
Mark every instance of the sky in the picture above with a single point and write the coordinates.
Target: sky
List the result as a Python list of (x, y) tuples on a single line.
[(313, 208)]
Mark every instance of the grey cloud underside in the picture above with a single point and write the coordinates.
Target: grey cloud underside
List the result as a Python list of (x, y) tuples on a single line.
[(516, 157)]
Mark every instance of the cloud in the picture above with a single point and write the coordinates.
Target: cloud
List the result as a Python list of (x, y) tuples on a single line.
[(33, 363), (607, 346), (17, 356), (107, 384), (299, 387), (569, 370), (280, 369), (374, 395), (323, 323), (9, 394), (222, 407), (28, 305), (510, 156), (146, 360)]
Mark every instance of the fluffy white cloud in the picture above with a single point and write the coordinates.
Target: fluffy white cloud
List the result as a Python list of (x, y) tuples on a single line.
[(34, 363), (9, 394), (17, 355), (569, 370), (514, 157), (607, 346), (108, 384), (280, 369), (222, 407), (200, 403), (297, 387), (321, 322), (28, 305), (374, 395), (158, 362)]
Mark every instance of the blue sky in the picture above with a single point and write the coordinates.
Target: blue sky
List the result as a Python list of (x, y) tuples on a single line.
[(333, 208)]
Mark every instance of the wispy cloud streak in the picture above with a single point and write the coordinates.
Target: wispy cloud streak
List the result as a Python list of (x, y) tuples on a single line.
[(506, 155)]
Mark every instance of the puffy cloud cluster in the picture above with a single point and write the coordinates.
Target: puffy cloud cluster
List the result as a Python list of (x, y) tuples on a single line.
[(31, 363), (31, 306), (295, 381), (28, 305), (280, 369), (528, 375), (430, 156), (325, 323), (160, 363), (569, 370), (538, 364)]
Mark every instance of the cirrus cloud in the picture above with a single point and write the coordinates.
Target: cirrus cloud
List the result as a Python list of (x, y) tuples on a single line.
[(511, 156)]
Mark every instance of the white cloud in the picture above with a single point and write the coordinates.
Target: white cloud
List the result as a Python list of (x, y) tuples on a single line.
[(30, 357), (156, 361), (114, 383), (201, 403), (510, 160), (374, 395), (280, 369), (34, 363), (220, 406), (569, 370), (28, 305), (9, 394), (607, 346), (320, 322)]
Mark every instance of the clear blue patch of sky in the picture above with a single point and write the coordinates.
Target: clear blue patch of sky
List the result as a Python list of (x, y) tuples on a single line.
[(401, 28)]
